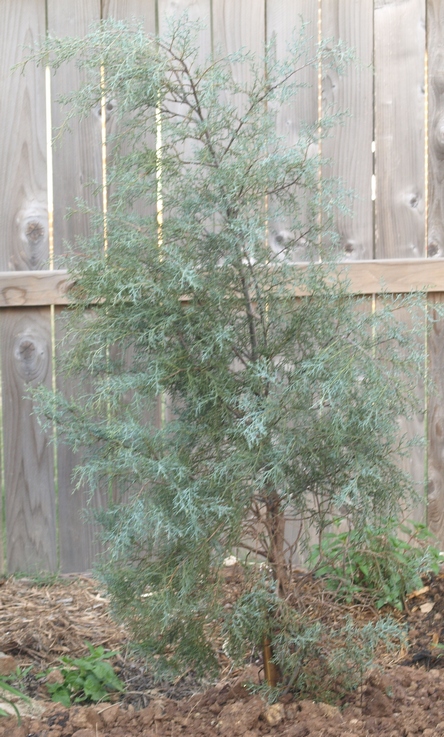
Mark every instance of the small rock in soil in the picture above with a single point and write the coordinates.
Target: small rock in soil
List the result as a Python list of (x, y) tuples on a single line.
[(274, 714)]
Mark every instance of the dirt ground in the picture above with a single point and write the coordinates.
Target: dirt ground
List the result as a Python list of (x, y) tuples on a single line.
[(42, 621)]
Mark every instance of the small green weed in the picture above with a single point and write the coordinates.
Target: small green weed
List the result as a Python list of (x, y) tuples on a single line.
[(89, 678), (375, 562), (5, 689)]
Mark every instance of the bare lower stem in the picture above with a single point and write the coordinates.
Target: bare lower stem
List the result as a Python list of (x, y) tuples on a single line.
[(272, 672)]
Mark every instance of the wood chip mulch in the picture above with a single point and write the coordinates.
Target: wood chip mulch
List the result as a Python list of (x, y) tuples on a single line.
[(40, 622)]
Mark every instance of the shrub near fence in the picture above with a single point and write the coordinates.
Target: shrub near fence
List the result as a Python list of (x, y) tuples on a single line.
[(395, 235)]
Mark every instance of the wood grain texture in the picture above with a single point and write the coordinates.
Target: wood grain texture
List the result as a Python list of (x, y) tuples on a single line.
[(77, 164), (415, 427), (350, 145), (23, 204), (400, 128), (395, 276), (77, 154), (400, 160), (131, 10), (25, 334), (79, 535), (435, 49), (435, 247), (239, 25), (236, 26), (29, 468), (435, 455), (33, 288), (284, 19)]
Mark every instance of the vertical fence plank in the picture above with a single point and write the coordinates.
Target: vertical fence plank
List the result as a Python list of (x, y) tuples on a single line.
[(435, 48), (129, 10), (79, 542), (350, 145), (25, 333), (283, 22), (400, 160), (414, 463), (435, 459), (77, 160), (399, 128), (435, 247), (239, 25), (77, 163), (29, 469), (23, 204)]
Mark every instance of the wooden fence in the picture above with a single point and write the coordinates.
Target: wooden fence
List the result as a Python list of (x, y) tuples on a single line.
[(390, 151)]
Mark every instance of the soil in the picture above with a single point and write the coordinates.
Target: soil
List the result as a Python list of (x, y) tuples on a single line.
[(43, 620)]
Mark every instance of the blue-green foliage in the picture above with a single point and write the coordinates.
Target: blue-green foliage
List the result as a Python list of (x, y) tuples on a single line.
[(277, 405)]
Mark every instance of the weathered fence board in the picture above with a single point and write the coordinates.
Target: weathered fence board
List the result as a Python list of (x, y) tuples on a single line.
[(393, 276), (239, 26), (349, 146), (283, 22), (435, 48), (76, 171), (400, 128), (77, 160), (23, 204), (435, 247), (25, 334), (399, 65), (435, 428), (29, 466)]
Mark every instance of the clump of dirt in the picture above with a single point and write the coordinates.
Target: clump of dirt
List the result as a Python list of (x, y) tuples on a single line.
[(40, 623)]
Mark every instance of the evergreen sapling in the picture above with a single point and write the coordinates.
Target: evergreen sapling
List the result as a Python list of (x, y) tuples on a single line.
[(277, 412)]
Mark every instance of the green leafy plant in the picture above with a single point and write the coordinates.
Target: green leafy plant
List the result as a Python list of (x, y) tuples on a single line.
[(90, 678), (375, 562), (220, 408)]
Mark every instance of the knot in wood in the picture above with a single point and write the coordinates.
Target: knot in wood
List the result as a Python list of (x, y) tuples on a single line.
[(109, 107), (31, 355), (34, 232)]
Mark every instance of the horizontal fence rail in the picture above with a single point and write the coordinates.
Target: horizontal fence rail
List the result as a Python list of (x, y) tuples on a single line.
[(390, 276)]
